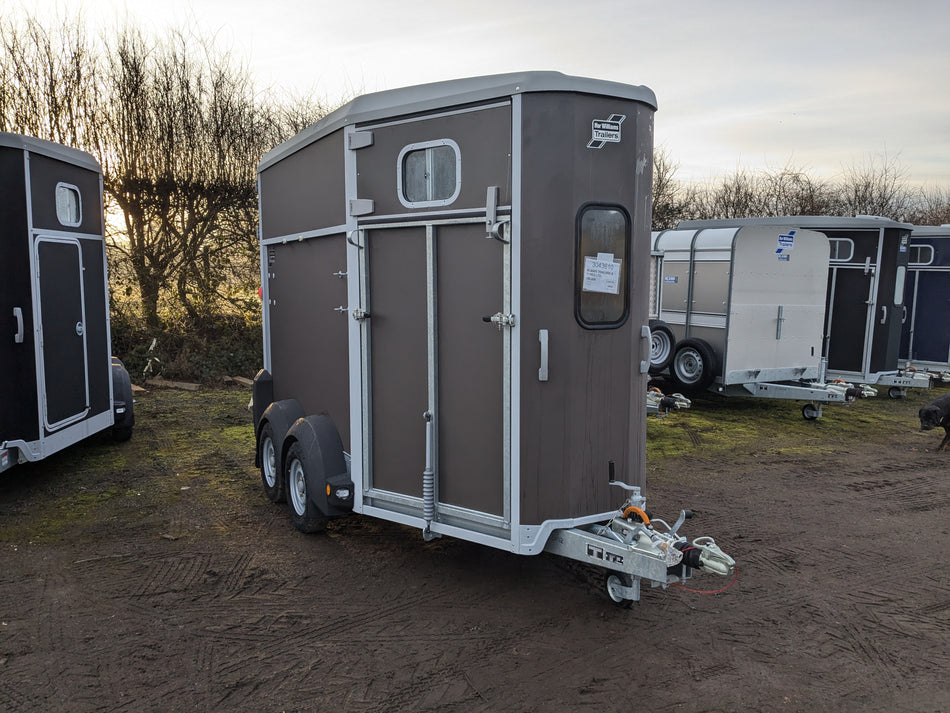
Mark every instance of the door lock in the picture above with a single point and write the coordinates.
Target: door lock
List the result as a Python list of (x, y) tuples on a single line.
[(500, 320)]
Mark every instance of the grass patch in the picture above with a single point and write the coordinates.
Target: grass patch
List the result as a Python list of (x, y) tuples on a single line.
[(716, 426)]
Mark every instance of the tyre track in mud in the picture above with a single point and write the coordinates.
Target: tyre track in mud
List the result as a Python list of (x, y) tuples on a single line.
[(842, 603)]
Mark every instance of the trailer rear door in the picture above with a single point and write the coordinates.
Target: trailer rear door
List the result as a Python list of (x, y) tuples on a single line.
[(61, 344)]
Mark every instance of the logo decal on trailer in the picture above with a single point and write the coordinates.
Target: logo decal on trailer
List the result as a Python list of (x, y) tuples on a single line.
[(605, 131), (786, 241)]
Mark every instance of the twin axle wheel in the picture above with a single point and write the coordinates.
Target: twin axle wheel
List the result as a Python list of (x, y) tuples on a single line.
[(304, 476)]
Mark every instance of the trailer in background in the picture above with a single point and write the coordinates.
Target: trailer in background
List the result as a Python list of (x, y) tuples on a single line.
[(925, 332), (865, 295), (746, 307), (59, 383), (455, 320)]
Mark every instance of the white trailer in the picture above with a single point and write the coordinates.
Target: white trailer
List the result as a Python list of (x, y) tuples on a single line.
[(745, 307)]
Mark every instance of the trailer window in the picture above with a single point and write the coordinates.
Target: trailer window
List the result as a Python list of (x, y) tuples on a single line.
[(842, 249), (429, 174), (68, 206), (921, 255), (601, 298)]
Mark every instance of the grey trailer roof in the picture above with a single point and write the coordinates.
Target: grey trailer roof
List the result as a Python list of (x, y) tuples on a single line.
[(814, 222), (427, 97), (51, 149), (931, 231)]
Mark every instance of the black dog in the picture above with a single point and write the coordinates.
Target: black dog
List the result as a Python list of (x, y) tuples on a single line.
[(937, 414)]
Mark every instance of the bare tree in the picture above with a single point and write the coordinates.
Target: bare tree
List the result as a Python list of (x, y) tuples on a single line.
[(931, 207), (186, 134), (672, 200), (50, 82), (877, 186)]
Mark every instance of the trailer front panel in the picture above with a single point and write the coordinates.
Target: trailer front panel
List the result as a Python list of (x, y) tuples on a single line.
[(457, 275)]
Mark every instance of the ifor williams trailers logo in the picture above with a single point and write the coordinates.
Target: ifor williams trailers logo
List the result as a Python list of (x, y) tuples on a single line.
[(605, 131)]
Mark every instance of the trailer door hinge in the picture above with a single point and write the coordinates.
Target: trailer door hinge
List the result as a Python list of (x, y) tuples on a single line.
[(360, 140), (359, 315), (361, 206)]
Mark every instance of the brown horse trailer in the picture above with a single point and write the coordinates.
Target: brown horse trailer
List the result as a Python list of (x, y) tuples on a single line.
[(60, 384), (455, 281)]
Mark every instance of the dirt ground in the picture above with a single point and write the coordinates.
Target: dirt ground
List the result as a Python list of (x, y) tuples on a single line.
[(154, 575)]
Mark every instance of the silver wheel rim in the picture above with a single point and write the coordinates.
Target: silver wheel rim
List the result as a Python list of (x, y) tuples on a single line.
[(298, 487), (269, 459), (659, 347), (689, 365)]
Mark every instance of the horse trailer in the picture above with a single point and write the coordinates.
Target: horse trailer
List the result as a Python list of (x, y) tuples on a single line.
[(925, 333), (742, 309), (60, 383), (455, 281), (864, 294)]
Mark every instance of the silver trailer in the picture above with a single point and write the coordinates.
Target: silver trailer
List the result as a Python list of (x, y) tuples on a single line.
[(865, 295), (455, 283), (59, 383), (744, 308)]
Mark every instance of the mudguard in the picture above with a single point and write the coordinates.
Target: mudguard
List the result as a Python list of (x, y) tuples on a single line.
[(123, 409), (281, 415), (324, 464)]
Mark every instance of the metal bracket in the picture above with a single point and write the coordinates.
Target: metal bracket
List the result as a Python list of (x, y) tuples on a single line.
[(359, 315), (494, 227)]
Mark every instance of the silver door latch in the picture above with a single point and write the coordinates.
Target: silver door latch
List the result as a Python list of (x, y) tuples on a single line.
[(500, 320)]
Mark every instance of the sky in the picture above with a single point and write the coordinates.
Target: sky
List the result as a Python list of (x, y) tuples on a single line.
[(819, 85)]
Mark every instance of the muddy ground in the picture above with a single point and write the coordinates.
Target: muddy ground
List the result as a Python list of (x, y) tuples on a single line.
[(154, 575)]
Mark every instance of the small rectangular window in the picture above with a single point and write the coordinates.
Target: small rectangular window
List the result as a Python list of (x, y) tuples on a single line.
[(68, 205), (842, 249), (921, 255), (429, 174), (601, 298)]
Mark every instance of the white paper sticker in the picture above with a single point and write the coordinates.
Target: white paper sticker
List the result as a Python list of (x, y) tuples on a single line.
[(602, 274)]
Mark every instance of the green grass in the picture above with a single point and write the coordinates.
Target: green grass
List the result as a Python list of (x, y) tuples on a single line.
[(716, 426)]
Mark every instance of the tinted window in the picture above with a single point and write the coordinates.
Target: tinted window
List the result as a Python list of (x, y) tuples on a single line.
[(429, 173), (68, 210), (601, 298), (842, 249), (921, 254)]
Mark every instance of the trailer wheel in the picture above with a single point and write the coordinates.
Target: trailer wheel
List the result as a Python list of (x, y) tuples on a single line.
[(896, 392), (271, 477), (810, 412), (694, 365), (306, 516), (612, 583), (662, 342)]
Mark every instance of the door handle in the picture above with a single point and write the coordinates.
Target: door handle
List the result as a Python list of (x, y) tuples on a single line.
[(883, 314), (543, 339), (18, 314)]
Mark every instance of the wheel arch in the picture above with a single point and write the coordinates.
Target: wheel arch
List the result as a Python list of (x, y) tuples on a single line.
[(281, 415), (321, 453)]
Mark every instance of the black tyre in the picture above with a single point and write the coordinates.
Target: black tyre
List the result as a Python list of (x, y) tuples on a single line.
[(123, 402), (612, 581), (662, 343), (306, 516), (693, 367), (810, 412), (896, 392), (271, 477)]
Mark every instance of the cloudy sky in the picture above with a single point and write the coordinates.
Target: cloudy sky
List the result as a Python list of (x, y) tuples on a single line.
[(820, 84)]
